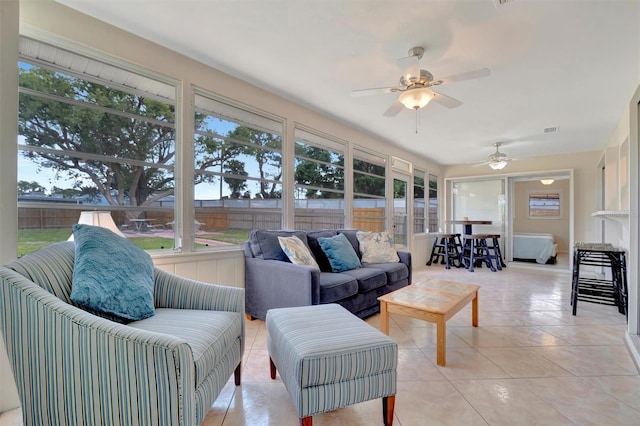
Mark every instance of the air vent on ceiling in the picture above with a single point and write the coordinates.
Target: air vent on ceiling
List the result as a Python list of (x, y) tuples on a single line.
[(551, 129)]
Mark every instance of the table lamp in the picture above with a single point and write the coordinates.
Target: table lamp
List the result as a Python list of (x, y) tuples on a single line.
[(102, 219)]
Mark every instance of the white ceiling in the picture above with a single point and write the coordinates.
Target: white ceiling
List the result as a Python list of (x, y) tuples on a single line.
[(568, 64)]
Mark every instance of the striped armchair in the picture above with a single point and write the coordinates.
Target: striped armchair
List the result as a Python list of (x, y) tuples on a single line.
[(72, 367)]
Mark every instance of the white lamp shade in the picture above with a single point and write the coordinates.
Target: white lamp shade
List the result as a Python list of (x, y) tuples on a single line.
[(98, 218), (547, 181), (416, 98), (498, 165)]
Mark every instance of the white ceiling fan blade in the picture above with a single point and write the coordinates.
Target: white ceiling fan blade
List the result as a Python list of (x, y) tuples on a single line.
[(409, 67), (481, 164), (445, 100), (373, 91), (482, 72), (394, 109)]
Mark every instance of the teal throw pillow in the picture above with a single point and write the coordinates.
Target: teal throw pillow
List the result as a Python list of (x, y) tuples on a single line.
[(340, 252), (112, 277)]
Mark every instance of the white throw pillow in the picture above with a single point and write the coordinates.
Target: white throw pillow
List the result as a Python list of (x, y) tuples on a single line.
[(377, 247), (297, 251)]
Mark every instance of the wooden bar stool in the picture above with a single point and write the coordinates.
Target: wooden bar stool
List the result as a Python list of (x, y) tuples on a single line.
[(445, 248), (496, 253), (475, 252)]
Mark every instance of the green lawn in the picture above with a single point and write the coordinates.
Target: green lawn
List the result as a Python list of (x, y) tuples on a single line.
[(30, 240)]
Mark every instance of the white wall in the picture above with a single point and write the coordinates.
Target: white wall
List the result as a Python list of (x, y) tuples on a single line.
[(585, 180), (9, 16)]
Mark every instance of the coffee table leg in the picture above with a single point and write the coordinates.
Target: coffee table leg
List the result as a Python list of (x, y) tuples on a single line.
[(384, 318), (474, 310), (441, 341)]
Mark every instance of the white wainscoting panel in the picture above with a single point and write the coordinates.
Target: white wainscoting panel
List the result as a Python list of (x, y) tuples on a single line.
[(215, 267)]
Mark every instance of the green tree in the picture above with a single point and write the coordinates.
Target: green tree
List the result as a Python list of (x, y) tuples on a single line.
[(236, 185), (81, 125), (368, 178), (266, 149), (25, 187), (314, 168)]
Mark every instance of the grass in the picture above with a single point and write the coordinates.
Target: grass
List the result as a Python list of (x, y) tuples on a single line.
[(30, 240)]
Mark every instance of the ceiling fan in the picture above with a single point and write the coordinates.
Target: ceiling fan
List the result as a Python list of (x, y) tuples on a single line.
[(415, 85), (498, 160)]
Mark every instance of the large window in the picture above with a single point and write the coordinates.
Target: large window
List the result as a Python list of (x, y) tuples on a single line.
[(434, 217), (319, 181), (419, 210), (92, 136), (369, 180), (238, 171)]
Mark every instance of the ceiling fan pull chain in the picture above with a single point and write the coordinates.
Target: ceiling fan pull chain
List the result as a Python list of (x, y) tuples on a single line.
[(417, 120)]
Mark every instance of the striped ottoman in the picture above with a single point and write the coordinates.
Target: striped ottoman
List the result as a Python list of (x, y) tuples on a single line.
[(328, 358)]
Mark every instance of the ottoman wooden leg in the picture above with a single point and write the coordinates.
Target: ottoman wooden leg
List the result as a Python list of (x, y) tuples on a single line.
[(306, 421), (238, 374), (388, 403), (272, 367)]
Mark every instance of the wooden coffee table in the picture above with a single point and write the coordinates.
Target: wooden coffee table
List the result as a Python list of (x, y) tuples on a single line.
[(433, 301)]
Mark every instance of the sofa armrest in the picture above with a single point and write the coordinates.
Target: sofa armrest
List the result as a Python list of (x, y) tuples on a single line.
[(276, 284), (96, 366), (405, 257)]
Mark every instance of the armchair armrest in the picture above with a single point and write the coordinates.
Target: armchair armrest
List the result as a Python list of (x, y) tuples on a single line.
[(276, 284), (172, 291), (66, 342)]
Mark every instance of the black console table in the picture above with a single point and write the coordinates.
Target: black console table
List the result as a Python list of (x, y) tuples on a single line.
[(604, 291)]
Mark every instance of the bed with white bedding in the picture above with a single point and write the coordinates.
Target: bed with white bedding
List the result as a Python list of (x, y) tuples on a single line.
[(534, 247)]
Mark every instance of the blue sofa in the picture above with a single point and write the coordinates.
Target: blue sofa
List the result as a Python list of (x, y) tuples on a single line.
[(272, 281)]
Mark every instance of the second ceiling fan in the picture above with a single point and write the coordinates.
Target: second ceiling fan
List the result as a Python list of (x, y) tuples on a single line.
[(415, 85)]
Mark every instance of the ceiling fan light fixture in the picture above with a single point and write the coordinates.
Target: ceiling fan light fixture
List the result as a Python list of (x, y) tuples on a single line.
[(498, 165), (416, 98), (547, 181)]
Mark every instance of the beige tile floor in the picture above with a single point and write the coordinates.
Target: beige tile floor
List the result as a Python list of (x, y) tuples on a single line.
[(529, 362)]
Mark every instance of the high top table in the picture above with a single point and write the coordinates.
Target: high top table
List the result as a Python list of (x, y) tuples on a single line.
[(433, 301), (468, 224)]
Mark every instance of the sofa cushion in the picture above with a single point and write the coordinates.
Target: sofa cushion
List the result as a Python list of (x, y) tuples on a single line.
[(368, 278), (210, 334), (377, 247), (297, 251), (316, 250), (335, 286), (340, 252), (112, 277), (265, 245), (395, 271)]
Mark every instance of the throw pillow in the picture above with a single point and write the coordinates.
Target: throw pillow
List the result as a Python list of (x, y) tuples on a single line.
[(340, 252), (112, 277), (377, 247), (297, 251)]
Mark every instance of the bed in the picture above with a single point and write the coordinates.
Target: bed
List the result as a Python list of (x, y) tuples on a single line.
[(538, 248)]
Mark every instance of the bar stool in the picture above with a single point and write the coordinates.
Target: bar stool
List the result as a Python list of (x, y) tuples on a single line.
[(445, 248), (475, 252), (496, 253)]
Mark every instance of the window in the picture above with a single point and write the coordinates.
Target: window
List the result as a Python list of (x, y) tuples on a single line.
[(434, 217), (419, 211), (544, 205), (92, 136), (319, 181), (369, 202), (237, 171)]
